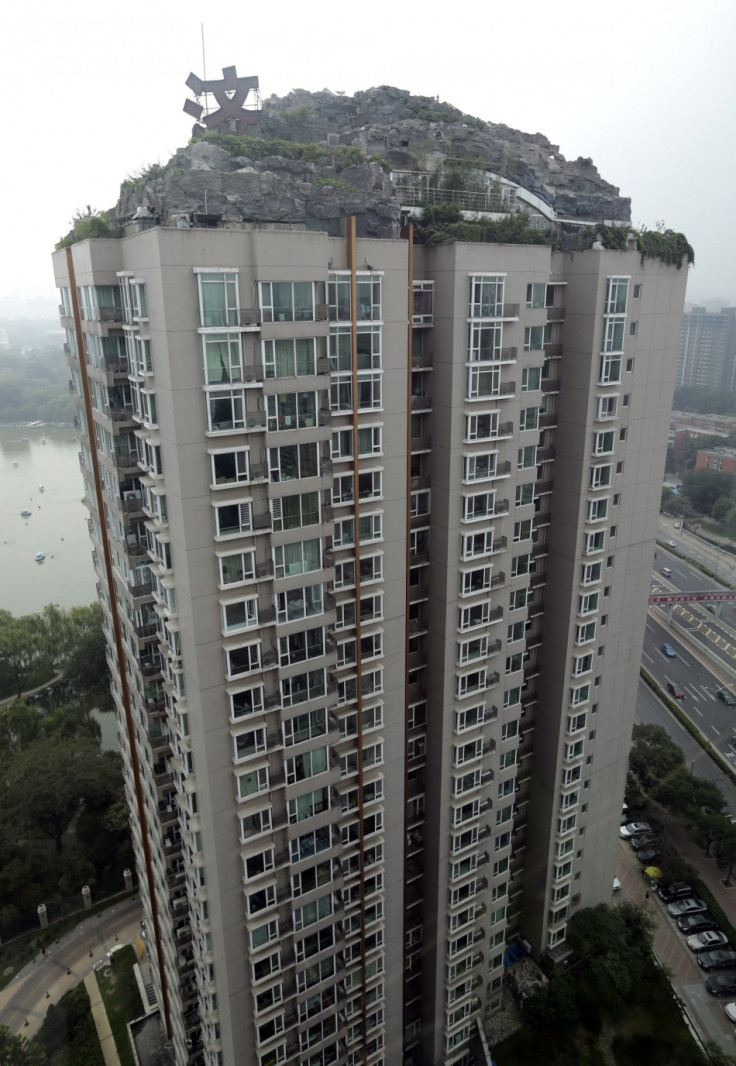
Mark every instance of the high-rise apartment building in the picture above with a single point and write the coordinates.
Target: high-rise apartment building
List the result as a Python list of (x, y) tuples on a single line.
[(373, 526), (707, 356)]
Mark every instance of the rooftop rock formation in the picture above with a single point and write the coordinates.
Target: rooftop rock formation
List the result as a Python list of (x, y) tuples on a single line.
[(345, 148)]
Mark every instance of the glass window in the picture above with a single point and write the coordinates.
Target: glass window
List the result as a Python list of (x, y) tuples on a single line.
[(486, 296), (218, 299), (291, 410), (223, 361), (289, 358), (287, 301), (291, 462), (299, 558), (617, 290)]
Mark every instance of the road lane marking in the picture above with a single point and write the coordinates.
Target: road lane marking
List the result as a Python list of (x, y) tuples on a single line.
[(693, 693), (716, 731), (651, 660), (698, 711)]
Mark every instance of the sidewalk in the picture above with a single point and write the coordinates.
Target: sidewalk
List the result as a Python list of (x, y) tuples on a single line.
[(102, 1022)]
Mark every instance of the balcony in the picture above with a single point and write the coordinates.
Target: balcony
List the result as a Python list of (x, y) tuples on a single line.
[(423, 361), (253, 374), (421, 444), (545, 455), (503, 470), (421, 402), (498, 581), (552, 351), (501, 507), (551, 385), (555, 314), (547, 420)]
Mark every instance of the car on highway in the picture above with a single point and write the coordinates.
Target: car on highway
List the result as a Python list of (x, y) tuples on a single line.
[(696, 923), (718, 959), (689, 905), (726, 697), (730, 1009), (721, 984), (631, 829), (675, 690), (675, 890), (708, 940), (669, 651)]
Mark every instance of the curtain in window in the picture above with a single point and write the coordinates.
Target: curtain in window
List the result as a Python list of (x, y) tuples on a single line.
[(214, 308), (305, 356), (303, 301)]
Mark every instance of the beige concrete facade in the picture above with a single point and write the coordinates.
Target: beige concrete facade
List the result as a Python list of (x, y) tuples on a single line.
[(375, 691)]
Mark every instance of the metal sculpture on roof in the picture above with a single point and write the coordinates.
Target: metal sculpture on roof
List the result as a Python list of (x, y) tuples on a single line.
[(238, 100)]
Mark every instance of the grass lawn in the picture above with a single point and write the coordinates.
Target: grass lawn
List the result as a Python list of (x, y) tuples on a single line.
[(121, 997)]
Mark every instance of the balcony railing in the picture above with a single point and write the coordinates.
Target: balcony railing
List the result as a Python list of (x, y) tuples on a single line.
[(555, 314)]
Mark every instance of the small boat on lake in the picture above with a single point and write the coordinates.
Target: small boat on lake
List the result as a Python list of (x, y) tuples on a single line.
[(25, 513), (41, 488), (40, 556)]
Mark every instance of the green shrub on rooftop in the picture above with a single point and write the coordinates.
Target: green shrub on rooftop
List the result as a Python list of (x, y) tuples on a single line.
[(339, 156), (442, 223)]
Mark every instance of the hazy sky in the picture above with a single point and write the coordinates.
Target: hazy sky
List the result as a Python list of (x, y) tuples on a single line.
[(645, 87)]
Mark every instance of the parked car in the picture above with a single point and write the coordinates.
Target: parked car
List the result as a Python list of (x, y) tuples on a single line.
[(632, 829), (718, 959), (675, 890), (726, 697), (669, 651), (649, 855), (721, 984), (671, 543), (707, 940), (689, 905), (644, 840), (696, 923), (730, 1009), (675, 690)]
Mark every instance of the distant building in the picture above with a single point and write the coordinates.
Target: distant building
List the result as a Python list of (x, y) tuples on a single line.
[(721, 459), (708, 349)]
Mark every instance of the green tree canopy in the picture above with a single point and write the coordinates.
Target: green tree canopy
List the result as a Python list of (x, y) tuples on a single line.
[(654, 755), (704, 487), (17, 1051), (46, 784)]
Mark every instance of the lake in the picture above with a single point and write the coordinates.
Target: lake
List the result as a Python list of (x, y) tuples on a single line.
[(57, 525)]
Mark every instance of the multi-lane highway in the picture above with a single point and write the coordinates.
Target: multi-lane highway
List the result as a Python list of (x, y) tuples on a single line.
[(705, 661)]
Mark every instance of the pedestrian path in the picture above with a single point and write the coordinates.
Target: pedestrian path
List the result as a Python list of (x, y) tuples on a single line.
[(102, 1022)]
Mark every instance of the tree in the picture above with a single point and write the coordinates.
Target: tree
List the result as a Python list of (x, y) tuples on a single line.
[(46, 784), (685, 794), (17, 1051), (724, 847), (22, 646), (704, 487), (653, 755)]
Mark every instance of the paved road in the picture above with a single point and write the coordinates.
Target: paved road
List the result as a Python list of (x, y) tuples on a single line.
[(66, 963)]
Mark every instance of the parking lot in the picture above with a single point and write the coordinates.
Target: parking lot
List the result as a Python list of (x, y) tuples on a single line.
[(704, 1012)]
